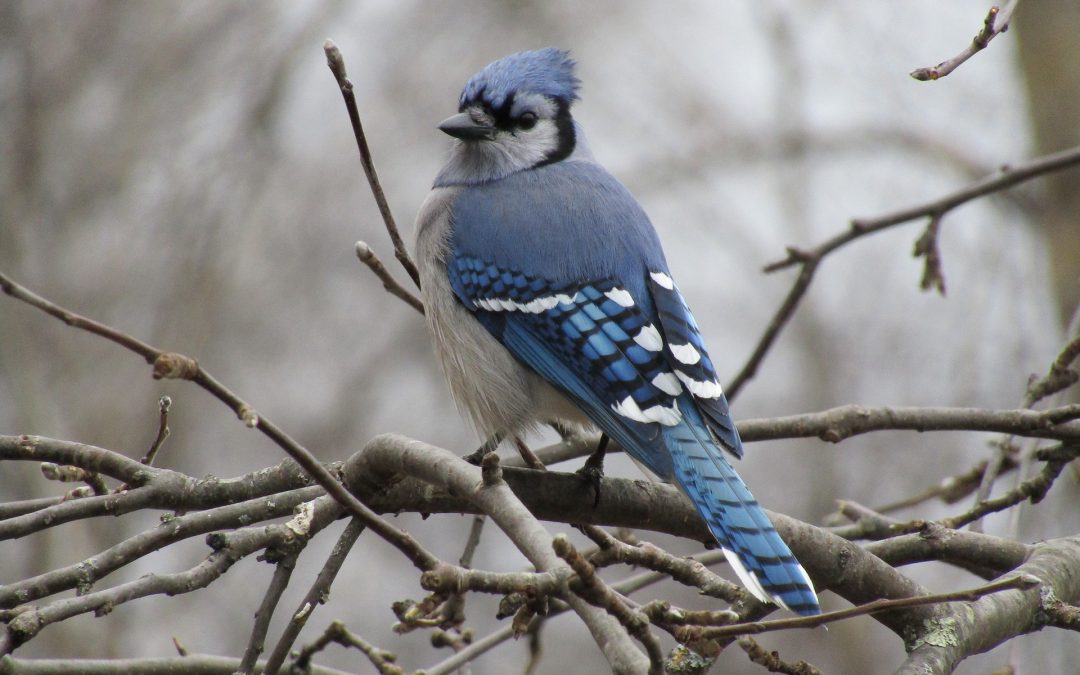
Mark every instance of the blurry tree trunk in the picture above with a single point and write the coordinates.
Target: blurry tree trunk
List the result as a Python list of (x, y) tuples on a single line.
[(1050, 59)]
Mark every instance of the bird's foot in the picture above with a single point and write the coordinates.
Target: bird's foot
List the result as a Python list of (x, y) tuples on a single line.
[(477, 456), (593, 471)]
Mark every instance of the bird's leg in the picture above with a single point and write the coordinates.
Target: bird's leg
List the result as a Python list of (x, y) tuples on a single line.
[(593, 471), (527, 456), (490, 445)]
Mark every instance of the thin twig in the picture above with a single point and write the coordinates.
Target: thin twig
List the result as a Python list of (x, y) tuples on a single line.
[(600, 594), (926, 247), (1022, 581), (228, 549), (1033, 489), (337, 632), (368, 257), (995, 23), (1059, 378), (316, 595), (771, 661), (809, 260), (202, 664), (179, 366), (278, 582), (336, 62), (838, 424), (164, 404)]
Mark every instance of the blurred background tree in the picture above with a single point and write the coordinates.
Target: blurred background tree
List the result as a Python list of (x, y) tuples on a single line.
[(185, 172)]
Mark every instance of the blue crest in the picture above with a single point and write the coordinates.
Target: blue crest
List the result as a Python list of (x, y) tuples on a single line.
[(549, 72)]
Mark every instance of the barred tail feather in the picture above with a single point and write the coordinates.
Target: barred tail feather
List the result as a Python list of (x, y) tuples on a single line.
[(761, 560)]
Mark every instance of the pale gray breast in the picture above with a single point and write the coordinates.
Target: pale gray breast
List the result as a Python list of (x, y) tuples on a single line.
[(487, 382)]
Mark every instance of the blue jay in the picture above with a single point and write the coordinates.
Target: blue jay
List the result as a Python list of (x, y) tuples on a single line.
[(549, 300)]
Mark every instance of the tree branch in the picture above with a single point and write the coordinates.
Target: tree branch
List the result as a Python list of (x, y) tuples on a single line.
[(336, 62), (809, 260), (316, 595), (995, 23), (388, 456), (995, 619), (171, 365)]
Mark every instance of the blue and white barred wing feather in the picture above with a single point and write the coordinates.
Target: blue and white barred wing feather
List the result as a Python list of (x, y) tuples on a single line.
[(639, 383), (588, 339)]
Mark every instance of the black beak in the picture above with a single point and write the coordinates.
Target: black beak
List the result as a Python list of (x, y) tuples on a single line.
[(463, 126)]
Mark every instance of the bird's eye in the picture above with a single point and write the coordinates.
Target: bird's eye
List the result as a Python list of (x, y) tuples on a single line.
[(527, 120)]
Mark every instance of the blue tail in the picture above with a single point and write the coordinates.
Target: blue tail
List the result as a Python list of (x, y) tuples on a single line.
[(763, 562)]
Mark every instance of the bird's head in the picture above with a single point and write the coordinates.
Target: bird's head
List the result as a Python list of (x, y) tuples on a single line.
[(513, 115)]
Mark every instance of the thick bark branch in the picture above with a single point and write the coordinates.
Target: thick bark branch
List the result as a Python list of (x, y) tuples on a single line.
[(990, 621)]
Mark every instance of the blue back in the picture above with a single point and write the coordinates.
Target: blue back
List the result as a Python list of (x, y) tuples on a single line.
[(595, 229)]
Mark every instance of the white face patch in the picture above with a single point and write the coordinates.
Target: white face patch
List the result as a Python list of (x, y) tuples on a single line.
[(621, 297), (685, 353), (664, 280), (701, 389), (629, 408), (507, 152), (667, 383), (649, 338)]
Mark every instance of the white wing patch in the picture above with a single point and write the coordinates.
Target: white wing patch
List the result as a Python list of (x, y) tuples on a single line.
[(629, 408), (537, 306), (701, 389), (621, 297), (649, 338), (667, 383), (664, 280), (685, 353)]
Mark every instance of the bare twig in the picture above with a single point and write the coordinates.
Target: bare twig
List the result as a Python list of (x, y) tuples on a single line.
[(195, 663), (1033, 489), (809, 260), (926, 247), (950, 490), (600, 594), (172, 365), (368, 257), (316, 595), (164, 404), (1063, 615), (278, 582), (84, 574), (337, 632), (1022, 581), (65, 473), (1059, 378), (838, 424), (684, 570), (228, 549), (336, 62), (771, 661), (995, 23)]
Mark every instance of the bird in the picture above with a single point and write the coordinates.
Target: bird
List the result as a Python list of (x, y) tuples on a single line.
[(549, 301)]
